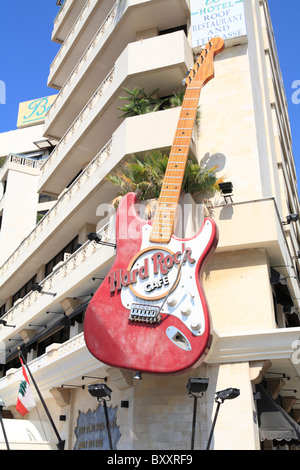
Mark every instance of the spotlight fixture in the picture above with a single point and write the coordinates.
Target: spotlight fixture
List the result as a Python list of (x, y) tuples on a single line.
[(100, 391), (103, 393), (94, 237), (195, 387), (226, 191), (227, 394), (291, 218), (38, 288), (138, 376)]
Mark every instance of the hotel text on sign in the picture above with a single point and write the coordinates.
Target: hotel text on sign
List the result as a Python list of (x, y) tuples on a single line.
[(210, 18), (34, 112)]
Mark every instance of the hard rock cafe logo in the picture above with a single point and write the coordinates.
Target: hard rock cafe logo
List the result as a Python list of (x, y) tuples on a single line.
[(152, 272)]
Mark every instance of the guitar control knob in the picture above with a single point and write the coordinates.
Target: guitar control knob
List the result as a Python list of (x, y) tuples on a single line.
[(185, 310), (172, 302), (195, 325)]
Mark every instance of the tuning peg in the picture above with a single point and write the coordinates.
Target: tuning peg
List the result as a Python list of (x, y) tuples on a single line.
[(186, 75)]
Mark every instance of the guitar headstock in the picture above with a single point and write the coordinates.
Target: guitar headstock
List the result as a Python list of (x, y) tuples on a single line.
[(203, 70)]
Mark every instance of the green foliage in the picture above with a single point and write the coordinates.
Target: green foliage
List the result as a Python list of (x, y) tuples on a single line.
[(140, 103), (144, 176)]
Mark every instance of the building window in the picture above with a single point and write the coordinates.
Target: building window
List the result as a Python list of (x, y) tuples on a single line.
[(12, 364), (69, 248), (60, 336), (46, 198), (24, 290), (173, 30)]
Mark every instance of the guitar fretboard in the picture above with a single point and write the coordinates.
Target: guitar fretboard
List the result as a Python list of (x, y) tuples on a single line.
[(163, 223), (202, 72)]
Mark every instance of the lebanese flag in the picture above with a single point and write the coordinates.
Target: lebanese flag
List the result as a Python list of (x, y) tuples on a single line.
[(25, 401)]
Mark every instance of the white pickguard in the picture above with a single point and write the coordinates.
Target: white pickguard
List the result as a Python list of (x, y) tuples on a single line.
[(184, 301)]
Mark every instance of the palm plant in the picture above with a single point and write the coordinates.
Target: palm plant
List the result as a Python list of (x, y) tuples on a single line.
[(140, 102), (144, 176)]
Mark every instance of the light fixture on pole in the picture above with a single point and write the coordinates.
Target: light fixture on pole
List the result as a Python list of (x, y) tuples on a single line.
[(2, 405), (94, 237), (103, 393), (196, 386), (226, 191), (227, 394), (38, 288)]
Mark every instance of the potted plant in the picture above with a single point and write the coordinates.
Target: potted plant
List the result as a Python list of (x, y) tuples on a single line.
[(144, 176)]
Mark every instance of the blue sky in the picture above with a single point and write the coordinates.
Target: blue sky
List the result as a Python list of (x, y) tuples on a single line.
[(27, 52)]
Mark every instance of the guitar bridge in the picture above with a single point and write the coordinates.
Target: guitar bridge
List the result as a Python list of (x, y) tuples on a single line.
[(145, 313)]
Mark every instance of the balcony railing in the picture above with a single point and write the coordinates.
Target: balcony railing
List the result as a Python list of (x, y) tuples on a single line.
[(61, 271), (46, 367), (83, 59), (61, 202), (63, 7), (70, 35), (85, 111), (19, 160)]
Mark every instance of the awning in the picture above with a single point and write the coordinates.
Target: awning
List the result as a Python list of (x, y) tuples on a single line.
[(275, 423)]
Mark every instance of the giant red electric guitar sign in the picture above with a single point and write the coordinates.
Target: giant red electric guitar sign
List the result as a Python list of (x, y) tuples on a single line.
[(150, 313)]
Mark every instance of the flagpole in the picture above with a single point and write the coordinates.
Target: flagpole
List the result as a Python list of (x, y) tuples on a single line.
[(61, 443), (2, 425)]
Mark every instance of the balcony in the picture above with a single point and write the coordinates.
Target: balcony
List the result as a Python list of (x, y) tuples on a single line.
[(78, 204), (65, 19), (65, 362), (73, 275), (79, 37), (13, 162), (117, 30), (159, 62)]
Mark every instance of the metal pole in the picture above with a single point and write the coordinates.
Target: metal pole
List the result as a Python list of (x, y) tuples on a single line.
[(194, 423), (3, 429), (61, 443), (107, 425), (213, 425)]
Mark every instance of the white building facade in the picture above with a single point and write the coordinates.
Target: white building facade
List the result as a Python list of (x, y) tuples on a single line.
[(252, 281)]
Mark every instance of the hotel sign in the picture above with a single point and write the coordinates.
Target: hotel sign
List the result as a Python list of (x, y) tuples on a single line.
[(216, 18), (34, 112)]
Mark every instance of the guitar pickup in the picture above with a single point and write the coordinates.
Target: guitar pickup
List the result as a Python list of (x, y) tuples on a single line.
[(145, 313)]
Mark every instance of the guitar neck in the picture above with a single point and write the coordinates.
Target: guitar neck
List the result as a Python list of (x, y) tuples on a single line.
[(201, 73), (163, 223)]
